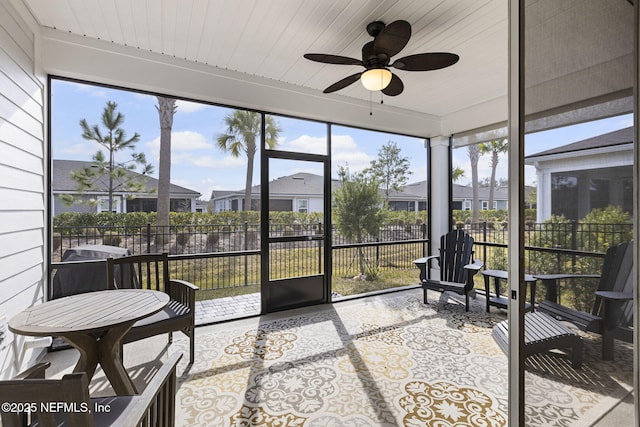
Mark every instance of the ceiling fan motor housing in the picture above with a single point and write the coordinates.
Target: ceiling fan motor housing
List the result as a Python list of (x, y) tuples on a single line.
[(373, 59)]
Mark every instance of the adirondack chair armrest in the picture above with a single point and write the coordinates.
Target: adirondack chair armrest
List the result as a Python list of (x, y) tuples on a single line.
[(183, 292), (615, 296), (425, 260), (475, 266), (423, 265), (551, 282)]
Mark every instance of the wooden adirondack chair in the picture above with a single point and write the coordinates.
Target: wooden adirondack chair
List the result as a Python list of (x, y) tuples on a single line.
[(457, 266), (612, 312)]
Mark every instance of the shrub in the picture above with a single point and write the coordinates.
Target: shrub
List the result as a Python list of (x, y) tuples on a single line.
[(182, 238), (213, 237), (56, 241), (556, 232), (112, 239), (605, 227)]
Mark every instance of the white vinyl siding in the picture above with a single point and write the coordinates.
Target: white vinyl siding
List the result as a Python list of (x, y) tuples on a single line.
[(22, 172)]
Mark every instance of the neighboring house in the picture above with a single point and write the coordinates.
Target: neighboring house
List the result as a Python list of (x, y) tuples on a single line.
[(302, 192), (415, 196), (182, 199), (202, 205), (588, 174)]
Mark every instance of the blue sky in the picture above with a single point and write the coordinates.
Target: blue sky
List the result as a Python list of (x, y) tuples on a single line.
[(199, 165)]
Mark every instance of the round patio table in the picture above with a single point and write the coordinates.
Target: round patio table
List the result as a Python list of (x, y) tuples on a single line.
[(94, 323)]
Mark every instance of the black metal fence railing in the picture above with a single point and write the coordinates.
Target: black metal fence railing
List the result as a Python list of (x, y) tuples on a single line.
[(210, 238), (565, 248), (227, 256)]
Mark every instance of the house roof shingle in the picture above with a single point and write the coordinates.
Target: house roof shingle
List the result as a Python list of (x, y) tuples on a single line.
[(618, 137), (61, 179)]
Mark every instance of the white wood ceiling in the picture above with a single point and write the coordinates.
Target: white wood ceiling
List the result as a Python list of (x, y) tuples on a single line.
[(267, 39)]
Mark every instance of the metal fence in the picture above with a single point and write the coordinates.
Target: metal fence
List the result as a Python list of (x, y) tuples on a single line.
[(225, 256), (565, 248)]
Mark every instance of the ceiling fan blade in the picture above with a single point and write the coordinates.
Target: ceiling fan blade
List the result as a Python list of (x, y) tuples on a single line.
[(332, 59), (341, 84), (426, 61), (393, 38), (395, 87)]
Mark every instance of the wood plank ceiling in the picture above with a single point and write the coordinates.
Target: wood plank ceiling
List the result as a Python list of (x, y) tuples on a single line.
[(268, 39)]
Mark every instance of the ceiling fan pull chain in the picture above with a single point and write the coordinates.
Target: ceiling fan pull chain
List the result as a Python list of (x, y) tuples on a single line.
[(370, 104), (381, 96)]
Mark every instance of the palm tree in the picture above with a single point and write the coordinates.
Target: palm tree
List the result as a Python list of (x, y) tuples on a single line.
[(495, 147), (474, 157), (166, 109), (457, 173), (243, 129)]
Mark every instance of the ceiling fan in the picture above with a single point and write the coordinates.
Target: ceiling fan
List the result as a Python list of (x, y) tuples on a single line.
[(388, 40)]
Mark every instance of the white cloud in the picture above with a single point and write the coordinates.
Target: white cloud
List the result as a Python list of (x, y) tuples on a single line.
[(189, 107), (180, 142), (92, 90), (347, 153), (81, 150), (345, 149), (227, 162), (305, 144)]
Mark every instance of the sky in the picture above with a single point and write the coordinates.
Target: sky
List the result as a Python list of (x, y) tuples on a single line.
[(198, 164)]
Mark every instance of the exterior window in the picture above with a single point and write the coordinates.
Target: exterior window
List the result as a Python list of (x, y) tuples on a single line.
[(103, 205), (495, 205), (467, 205), (303, 205), (485, 205)]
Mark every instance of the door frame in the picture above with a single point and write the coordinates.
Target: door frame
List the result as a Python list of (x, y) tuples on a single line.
[(323, 280)]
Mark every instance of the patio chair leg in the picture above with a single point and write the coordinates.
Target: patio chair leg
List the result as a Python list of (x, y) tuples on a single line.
[(192, 342), (576, 354), (466, 296), (424, 298)]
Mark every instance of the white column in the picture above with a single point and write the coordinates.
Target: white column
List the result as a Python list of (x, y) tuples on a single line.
[(543, 195), (439, 188)]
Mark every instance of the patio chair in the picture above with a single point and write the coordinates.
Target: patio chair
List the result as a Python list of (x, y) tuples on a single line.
[(155, 406), (612, 311), (151, 271), (457, 267)]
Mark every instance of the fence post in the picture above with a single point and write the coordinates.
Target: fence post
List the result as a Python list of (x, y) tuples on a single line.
[(484, 239), (148, 237), (574, 232), (423, 228), (246, 247), (320, 252)]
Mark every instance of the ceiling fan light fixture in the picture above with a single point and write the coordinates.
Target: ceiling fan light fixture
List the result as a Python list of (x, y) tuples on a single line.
[(376, 79)]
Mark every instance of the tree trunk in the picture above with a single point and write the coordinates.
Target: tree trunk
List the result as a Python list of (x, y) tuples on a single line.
[(249, 180), (166, 110), (111, 167), (494, 166), (474, 156)]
